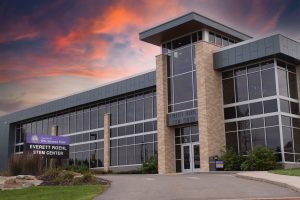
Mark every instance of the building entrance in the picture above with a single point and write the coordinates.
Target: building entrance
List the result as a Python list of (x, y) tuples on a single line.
[(190, 157)]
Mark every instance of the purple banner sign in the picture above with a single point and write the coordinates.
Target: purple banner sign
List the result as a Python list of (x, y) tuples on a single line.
[(46, 139)]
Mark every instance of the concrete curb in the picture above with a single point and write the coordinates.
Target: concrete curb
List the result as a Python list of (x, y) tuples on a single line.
[(269, 181)]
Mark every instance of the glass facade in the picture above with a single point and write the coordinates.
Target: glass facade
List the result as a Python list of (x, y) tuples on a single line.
[(219, 39), (261, 108), (182, 72), (132, 117), (184, 135)]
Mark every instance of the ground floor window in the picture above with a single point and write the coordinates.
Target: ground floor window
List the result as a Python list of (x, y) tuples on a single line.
[(280, 133)]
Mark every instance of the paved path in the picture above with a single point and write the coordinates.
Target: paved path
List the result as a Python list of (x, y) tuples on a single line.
[(190, 187), (292, 182)]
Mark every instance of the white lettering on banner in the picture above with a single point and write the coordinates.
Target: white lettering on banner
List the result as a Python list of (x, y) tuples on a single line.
[(38, 147), (38, 152), (59, 148), (55, 153)]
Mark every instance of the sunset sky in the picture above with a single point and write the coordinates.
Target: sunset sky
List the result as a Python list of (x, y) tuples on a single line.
[(53, 48)]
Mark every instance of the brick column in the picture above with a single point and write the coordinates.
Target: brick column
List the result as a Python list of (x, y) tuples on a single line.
[(106, 131), (53, 161), (210, 104), (165, 135)]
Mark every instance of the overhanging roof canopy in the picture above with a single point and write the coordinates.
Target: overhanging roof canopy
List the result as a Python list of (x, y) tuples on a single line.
[(256, 49), (183, 25)]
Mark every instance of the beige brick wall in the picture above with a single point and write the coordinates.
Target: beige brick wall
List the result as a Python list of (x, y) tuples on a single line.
[(106, 156), (210, 104), (165, 135)]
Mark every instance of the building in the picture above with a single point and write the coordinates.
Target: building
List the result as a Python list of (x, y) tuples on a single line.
[(213, 87)]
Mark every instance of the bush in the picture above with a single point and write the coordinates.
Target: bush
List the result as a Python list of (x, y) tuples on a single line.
[(87, 178), (232, 160), (150, 166), (77, 168), (63, 177), (26, 164), (57, 177), (260, 159)]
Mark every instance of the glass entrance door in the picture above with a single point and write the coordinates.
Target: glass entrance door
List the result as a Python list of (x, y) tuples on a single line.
[(190, 157)]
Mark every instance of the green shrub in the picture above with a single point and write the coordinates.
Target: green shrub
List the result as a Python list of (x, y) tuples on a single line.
[(28, 164), (88, 177), (57, 176), (77, 168), (260, 159), (232, 160), (150, 166)]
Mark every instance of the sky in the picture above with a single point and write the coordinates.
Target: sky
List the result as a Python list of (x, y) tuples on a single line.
[(50, 49)]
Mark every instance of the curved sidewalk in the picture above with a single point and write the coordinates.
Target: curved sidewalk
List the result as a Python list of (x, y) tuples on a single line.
[(292, 182)]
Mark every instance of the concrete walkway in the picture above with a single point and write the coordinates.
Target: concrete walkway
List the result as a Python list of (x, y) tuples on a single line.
[(191, 187), (291, 182)]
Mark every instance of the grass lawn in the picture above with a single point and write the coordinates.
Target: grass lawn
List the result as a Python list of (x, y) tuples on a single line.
[(290, 172), (81, 192)]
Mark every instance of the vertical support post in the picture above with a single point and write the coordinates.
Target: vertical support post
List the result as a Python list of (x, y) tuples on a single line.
[(210, 104), (53, 161), (165, 135), (106, 142)]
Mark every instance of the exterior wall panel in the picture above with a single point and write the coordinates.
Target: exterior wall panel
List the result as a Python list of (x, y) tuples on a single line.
[(108, 91), (259, 48)]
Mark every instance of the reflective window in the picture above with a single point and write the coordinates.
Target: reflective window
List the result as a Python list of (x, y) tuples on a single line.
[(244, 141), (258, 137), (256, 108), (121, 113), (218, 40), (228, 91), (181, 42), (86, 120), (182, 60), (148, 108), (287, 139), (139, 110), (231, 126), (293, 86), (270, 106), (254, 85), (182, 88), (102, 111), (114, 115), (284, 106), (257, 123), (296, 134), (79, 121), (268, 82), (294, 108), (211, 37), (242, 110), (94, 118), (282, 82), (129, 111), (241, 88), (231, 141), (271, 121), (229, 113)]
